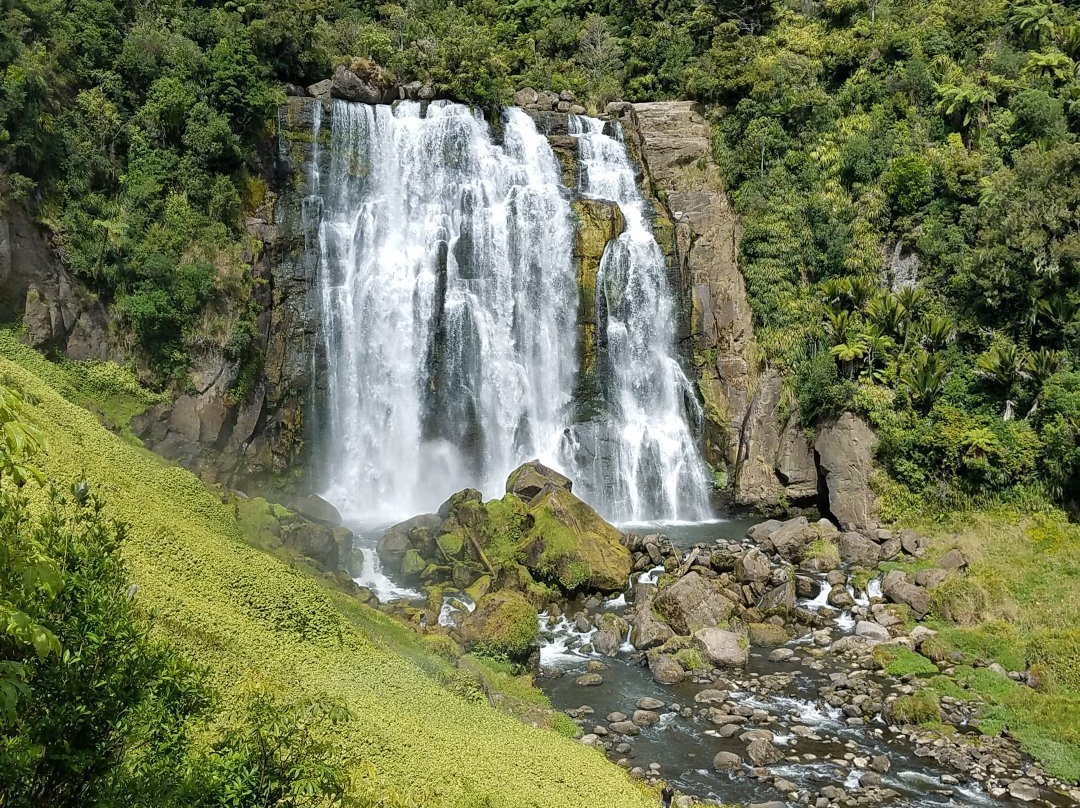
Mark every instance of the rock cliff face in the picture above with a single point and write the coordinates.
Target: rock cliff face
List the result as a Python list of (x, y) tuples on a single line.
[(60, 316), (257, 442), (750, 430)]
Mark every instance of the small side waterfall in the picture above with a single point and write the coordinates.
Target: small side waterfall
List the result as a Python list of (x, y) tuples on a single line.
[(448, 308), (642, 462)]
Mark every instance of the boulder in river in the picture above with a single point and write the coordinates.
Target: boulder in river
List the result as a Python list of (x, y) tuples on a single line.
[(611, 629), (726, 761), (502, 623), (561, 539), (691, 603), (664, 668), (762, 752), (648, 631), (722, 647), (569, 542)]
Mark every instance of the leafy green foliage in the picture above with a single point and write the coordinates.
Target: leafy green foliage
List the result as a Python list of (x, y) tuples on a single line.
[(93, 710)]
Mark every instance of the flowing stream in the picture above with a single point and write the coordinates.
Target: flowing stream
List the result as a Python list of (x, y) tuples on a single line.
[(449, 307), (821, 742)]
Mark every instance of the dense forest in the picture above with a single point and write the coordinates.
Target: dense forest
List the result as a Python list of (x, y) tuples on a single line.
[(861, 139)]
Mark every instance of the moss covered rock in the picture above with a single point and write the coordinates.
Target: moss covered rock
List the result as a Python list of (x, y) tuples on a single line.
[(502, 624), (413, 564), (570, 544)]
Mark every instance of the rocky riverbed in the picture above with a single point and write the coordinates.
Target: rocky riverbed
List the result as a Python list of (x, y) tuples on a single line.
[(742, 661), (800, 713)]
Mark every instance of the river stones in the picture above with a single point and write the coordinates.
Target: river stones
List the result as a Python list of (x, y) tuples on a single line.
[(880, 764), (767, 634), (781, 655), (589, 680), (691, 603), (624, 727), (872, 631), (780, 598), (753, 565), (790, 539), (762, 752), (664, 668), (897, 588), (610, 633), (726, 761), (645, 718), (1023, 790), (711, 696), (756, 735), (722, 647), (649, 703), (855, 548)]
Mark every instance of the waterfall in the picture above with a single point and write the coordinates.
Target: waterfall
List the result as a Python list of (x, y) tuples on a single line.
[(447, 302), (642, 461)]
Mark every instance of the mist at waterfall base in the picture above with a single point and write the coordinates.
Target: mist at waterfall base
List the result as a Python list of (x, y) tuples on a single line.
[(448, 298)]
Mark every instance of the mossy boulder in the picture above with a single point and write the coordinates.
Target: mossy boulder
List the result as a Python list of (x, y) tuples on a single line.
[(537, 536), (570, 544), (450, 544), (270, 526), (503, 623), (417, 533), (767, 634), (413, 564)]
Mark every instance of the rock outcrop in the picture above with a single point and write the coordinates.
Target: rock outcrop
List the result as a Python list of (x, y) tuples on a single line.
[(253, 435), (672, 141), (538, 532), (845, 450), (775, 458), (502, 623), (60, 316)]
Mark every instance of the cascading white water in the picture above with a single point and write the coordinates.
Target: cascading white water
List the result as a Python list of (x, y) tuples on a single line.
[(643, 461), (448, 303), (449, 311)]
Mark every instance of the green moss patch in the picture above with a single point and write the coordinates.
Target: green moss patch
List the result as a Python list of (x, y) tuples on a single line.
[(898, 660), (922, 707)]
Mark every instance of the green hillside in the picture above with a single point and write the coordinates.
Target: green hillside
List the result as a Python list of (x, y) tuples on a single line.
[(419, 735)]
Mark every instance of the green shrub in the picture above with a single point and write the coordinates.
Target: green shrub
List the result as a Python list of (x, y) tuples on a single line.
[(922, 707)]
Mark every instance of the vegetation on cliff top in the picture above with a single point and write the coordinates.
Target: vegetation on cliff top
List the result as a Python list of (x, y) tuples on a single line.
[(240, 613)]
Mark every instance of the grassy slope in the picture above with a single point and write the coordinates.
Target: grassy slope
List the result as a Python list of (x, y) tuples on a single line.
[(1019, 605), (243, 612)]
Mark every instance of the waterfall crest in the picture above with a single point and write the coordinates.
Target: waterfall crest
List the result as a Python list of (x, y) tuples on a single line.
[(440, 256), (642, 462)]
